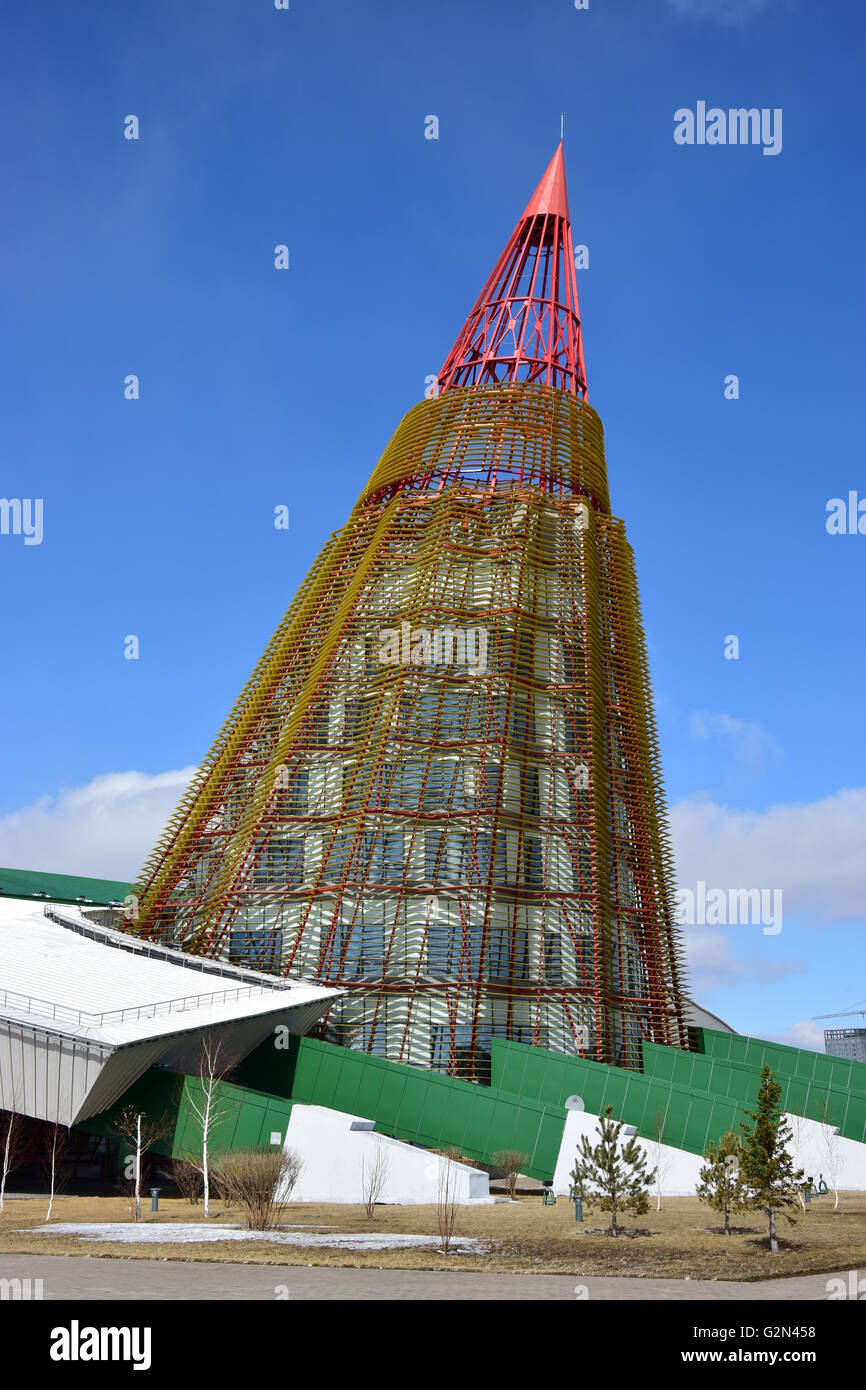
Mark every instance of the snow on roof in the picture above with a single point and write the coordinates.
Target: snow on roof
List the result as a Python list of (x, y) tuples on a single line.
[(98, 984)]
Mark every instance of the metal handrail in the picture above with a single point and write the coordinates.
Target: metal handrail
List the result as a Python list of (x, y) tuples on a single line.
[(145, 949), (63, 1012)]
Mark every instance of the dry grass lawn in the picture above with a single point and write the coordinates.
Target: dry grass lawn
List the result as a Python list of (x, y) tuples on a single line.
[(684, 1238)]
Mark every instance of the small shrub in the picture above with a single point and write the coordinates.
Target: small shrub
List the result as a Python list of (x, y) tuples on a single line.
[(511, 1163), (375, 1169), (259, 1181), (447, 1203), (188, 1179)]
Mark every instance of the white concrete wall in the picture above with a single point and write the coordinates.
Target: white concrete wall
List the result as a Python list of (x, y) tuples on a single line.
[(809, 1150), (680, 1169), (334, 1146)]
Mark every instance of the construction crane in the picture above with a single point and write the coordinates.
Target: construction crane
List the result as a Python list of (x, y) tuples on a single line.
[(843, 1013)]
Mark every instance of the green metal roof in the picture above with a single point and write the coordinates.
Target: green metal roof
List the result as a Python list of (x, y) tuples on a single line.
[(61, 888)]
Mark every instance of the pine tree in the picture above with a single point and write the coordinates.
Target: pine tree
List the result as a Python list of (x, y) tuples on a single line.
[(720, 1182), (769, 1177), (612, 1177)]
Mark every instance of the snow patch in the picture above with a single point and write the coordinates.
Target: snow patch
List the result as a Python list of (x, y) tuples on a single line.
[(195, 1233)]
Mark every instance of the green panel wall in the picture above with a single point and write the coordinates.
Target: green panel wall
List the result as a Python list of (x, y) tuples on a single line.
[(816, 1068), (156, 1094), (813, 1085), (689, 1118), (408, 1103), (696, 1096), (246, 1119)]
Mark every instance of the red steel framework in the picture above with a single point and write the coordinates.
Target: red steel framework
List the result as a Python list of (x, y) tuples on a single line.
[(525, 325), (440, 788)]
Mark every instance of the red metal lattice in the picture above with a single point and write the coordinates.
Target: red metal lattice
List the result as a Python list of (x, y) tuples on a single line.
[(525, 325)]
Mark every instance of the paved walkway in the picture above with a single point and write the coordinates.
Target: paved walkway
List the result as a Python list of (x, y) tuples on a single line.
[(78, 1276)]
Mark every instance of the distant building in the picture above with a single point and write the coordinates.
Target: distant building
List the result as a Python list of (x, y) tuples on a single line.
[(846, 1042)]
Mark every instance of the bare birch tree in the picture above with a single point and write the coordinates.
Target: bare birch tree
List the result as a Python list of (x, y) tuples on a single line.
[(142, 1133), (13, 1144), (831, 1151), (206, 1108), (374, 1176), (56, 1141), (797, 1144), (660, 1157)]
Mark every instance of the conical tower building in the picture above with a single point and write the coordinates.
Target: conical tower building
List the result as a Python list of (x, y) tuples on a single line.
[(440, 788)]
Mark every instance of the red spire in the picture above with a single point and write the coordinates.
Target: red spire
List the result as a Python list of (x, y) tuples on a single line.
[(550, 195), (525, 325)]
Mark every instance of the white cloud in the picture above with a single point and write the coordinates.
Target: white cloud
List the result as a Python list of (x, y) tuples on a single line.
[(805, 1034), (814, 851), (722, 11), (713, 964), (106, 828), (752, 747)]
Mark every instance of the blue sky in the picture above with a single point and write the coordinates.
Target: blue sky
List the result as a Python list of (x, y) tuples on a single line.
[(155, 257)]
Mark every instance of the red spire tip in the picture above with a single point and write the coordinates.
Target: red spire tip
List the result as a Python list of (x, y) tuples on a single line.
[(525, 325)]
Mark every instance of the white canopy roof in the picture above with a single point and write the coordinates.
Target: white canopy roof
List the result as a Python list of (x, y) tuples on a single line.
[(72, 989)]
